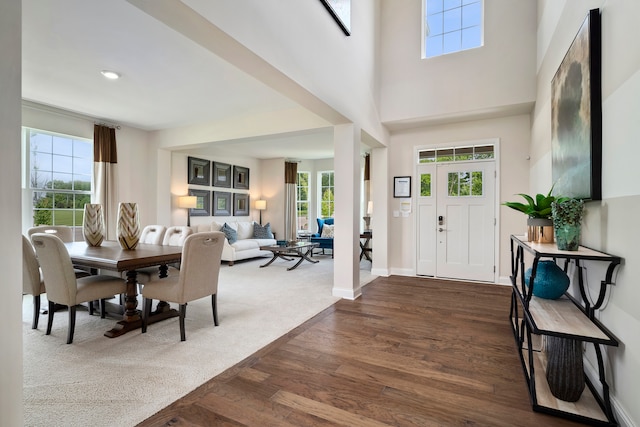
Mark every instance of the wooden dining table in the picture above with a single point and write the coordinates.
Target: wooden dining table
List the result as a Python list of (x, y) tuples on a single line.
[(111, 256)]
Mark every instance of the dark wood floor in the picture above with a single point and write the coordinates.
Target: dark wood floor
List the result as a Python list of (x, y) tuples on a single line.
[(409, 352)]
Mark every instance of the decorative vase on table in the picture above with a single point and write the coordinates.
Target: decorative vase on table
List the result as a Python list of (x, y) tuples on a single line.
[(565, 368), (93, 224), (540, 230), (551, 282), (567, 223), (128, 229)]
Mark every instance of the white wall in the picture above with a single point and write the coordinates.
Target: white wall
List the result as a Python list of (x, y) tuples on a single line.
[(497, 76), (513, 133), (11, 413), (608, 224)]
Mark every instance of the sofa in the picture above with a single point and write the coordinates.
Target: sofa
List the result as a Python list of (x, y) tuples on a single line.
[(324, 237), (246, 238)]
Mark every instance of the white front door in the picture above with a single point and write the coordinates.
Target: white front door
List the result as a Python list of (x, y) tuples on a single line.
[(465, 221)]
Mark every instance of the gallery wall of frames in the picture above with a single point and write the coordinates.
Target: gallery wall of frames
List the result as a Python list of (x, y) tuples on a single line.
[(221, 178)]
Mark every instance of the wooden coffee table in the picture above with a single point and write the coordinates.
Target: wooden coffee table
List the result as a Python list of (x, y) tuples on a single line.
[(290, 250)]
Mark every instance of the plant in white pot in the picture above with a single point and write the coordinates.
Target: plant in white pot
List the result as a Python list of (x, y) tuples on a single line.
[(538, 209)]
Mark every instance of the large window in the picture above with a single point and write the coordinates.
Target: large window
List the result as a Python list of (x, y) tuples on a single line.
[(326, 194), (452, 26), (302, 200), (59, 176)]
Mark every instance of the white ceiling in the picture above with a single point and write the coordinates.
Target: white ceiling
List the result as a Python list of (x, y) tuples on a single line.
[(167, 80)]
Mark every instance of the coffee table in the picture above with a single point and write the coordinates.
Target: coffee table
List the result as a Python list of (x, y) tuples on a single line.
[(289, 250)]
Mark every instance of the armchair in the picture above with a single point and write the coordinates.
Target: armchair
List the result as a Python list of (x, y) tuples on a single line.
[(323, 242)]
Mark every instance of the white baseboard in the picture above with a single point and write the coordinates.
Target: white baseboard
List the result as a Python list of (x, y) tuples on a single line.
[(350, 294), (380, 272)]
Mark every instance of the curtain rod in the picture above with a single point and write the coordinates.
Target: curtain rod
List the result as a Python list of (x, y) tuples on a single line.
[(109, 125)]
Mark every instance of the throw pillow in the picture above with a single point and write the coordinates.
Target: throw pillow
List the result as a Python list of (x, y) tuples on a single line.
[(262, 231), (230, 233), (327, 231)]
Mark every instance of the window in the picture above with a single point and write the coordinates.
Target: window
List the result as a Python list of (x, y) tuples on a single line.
[(326, 194), (452, 26), (59, 176), (464, 184), (456, 154), (302, 200), (425, 185)]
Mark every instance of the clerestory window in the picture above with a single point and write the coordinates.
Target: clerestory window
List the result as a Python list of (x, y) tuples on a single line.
[(452, 26)]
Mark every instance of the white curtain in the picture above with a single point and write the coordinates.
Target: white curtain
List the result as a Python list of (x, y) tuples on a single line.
[(105, 177), (290, 214)]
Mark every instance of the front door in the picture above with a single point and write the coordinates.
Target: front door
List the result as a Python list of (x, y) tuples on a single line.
[(456, 221)]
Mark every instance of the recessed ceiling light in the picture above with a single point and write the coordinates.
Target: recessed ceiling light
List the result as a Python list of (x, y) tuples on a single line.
[(112, 75)]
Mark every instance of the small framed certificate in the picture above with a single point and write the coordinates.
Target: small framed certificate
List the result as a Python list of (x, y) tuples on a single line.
[(402, 186)]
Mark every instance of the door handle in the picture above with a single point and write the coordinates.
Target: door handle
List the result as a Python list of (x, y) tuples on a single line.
[(441, 229)]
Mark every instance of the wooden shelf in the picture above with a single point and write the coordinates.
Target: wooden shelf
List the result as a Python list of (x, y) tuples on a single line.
[(533, 318)]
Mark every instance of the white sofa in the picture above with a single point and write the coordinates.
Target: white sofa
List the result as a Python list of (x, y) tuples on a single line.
[(243, 248)]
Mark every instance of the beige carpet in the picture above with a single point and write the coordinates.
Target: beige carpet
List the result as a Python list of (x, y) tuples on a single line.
[(100, 381)]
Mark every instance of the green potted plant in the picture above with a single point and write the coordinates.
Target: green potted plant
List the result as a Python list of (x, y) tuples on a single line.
[(539, 212), (567, 222)]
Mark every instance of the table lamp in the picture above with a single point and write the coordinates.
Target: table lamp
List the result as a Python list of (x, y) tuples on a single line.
[(188, 202)]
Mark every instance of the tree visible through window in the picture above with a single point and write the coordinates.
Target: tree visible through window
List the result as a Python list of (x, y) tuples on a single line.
[(326, 194), (452, 26), (60, 170), (302, 200)]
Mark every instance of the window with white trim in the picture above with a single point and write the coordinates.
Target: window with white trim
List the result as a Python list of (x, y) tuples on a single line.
[(59, 170), (452, 26), (302, 200), (326, 194)]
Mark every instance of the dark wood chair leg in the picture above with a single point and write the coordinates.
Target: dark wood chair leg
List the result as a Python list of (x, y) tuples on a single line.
[(72, 324), (36, 311), (103, 308), (52, 310), (214, 307), (91, 308), (146, 310), (183, 312)]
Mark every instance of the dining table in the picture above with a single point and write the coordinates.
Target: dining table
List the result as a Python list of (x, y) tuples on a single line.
[(111, 256)]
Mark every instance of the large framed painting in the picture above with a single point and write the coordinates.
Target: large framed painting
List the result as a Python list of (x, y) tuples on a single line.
[(340, 11), (221, 203), (221, 175), (203, 203), (240, 204), (198, 171), (576, 116)]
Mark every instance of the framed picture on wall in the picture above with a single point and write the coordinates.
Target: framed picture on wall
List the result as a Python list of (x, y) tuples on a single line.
[(340, 11), (240, 204), (221, 175), (241, 177), (221, 203), (402, 186), (203, 204), (198, 171)]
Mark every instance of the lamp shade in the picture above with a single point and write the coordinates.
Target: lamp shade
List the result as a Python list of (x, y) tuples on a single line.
[(370, 207), (261, 205), (187, 202)]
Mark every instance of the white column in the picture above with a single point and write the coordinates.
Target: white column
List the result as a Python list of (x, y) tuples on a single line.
[(346, 165), (380, 181), (11, 412)]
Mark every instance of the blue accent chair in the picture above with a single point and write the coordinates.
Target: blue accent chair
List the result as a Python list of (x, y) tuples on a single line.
[(324, 242)]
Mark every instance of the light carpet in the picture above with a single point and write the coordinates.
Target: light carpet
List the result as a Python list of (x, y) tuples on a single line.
[(122, 381)]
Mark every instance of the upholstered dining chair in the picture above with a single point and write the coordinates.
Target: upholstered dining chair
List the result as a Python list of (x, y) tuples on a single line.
[(172, 236), (62, 285), (198, 278), (32, 283), (65, 233), (153, 234)]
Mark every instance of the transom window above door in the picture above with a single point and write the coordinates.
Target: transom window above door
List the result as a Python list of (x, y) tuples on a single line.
[(457, 154)]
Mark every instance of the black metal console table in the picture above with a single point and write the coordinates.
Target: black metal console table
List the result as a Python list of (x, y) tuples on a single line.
[(566, 317)]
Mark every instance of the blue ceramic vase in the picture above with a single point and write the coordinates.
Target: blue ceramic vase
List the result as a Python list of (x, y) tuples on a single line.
[(551, 282)]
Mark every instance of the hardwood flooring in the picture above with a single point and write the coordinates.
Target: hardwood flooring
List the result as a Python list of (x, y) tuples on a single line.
[(409, 352)]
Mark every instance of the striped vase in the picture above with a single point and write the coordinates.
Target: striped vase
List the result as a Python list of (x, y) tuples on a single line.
[(93, 224), (128, 228)]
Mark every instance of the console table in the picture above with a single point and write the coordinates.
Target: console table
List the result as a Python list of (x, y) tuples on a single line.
[(567, 317)]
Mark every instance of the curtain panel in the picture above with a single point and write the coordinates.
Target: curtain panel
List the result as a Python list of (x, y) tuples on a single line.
[(290, 214), (105, 159)]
